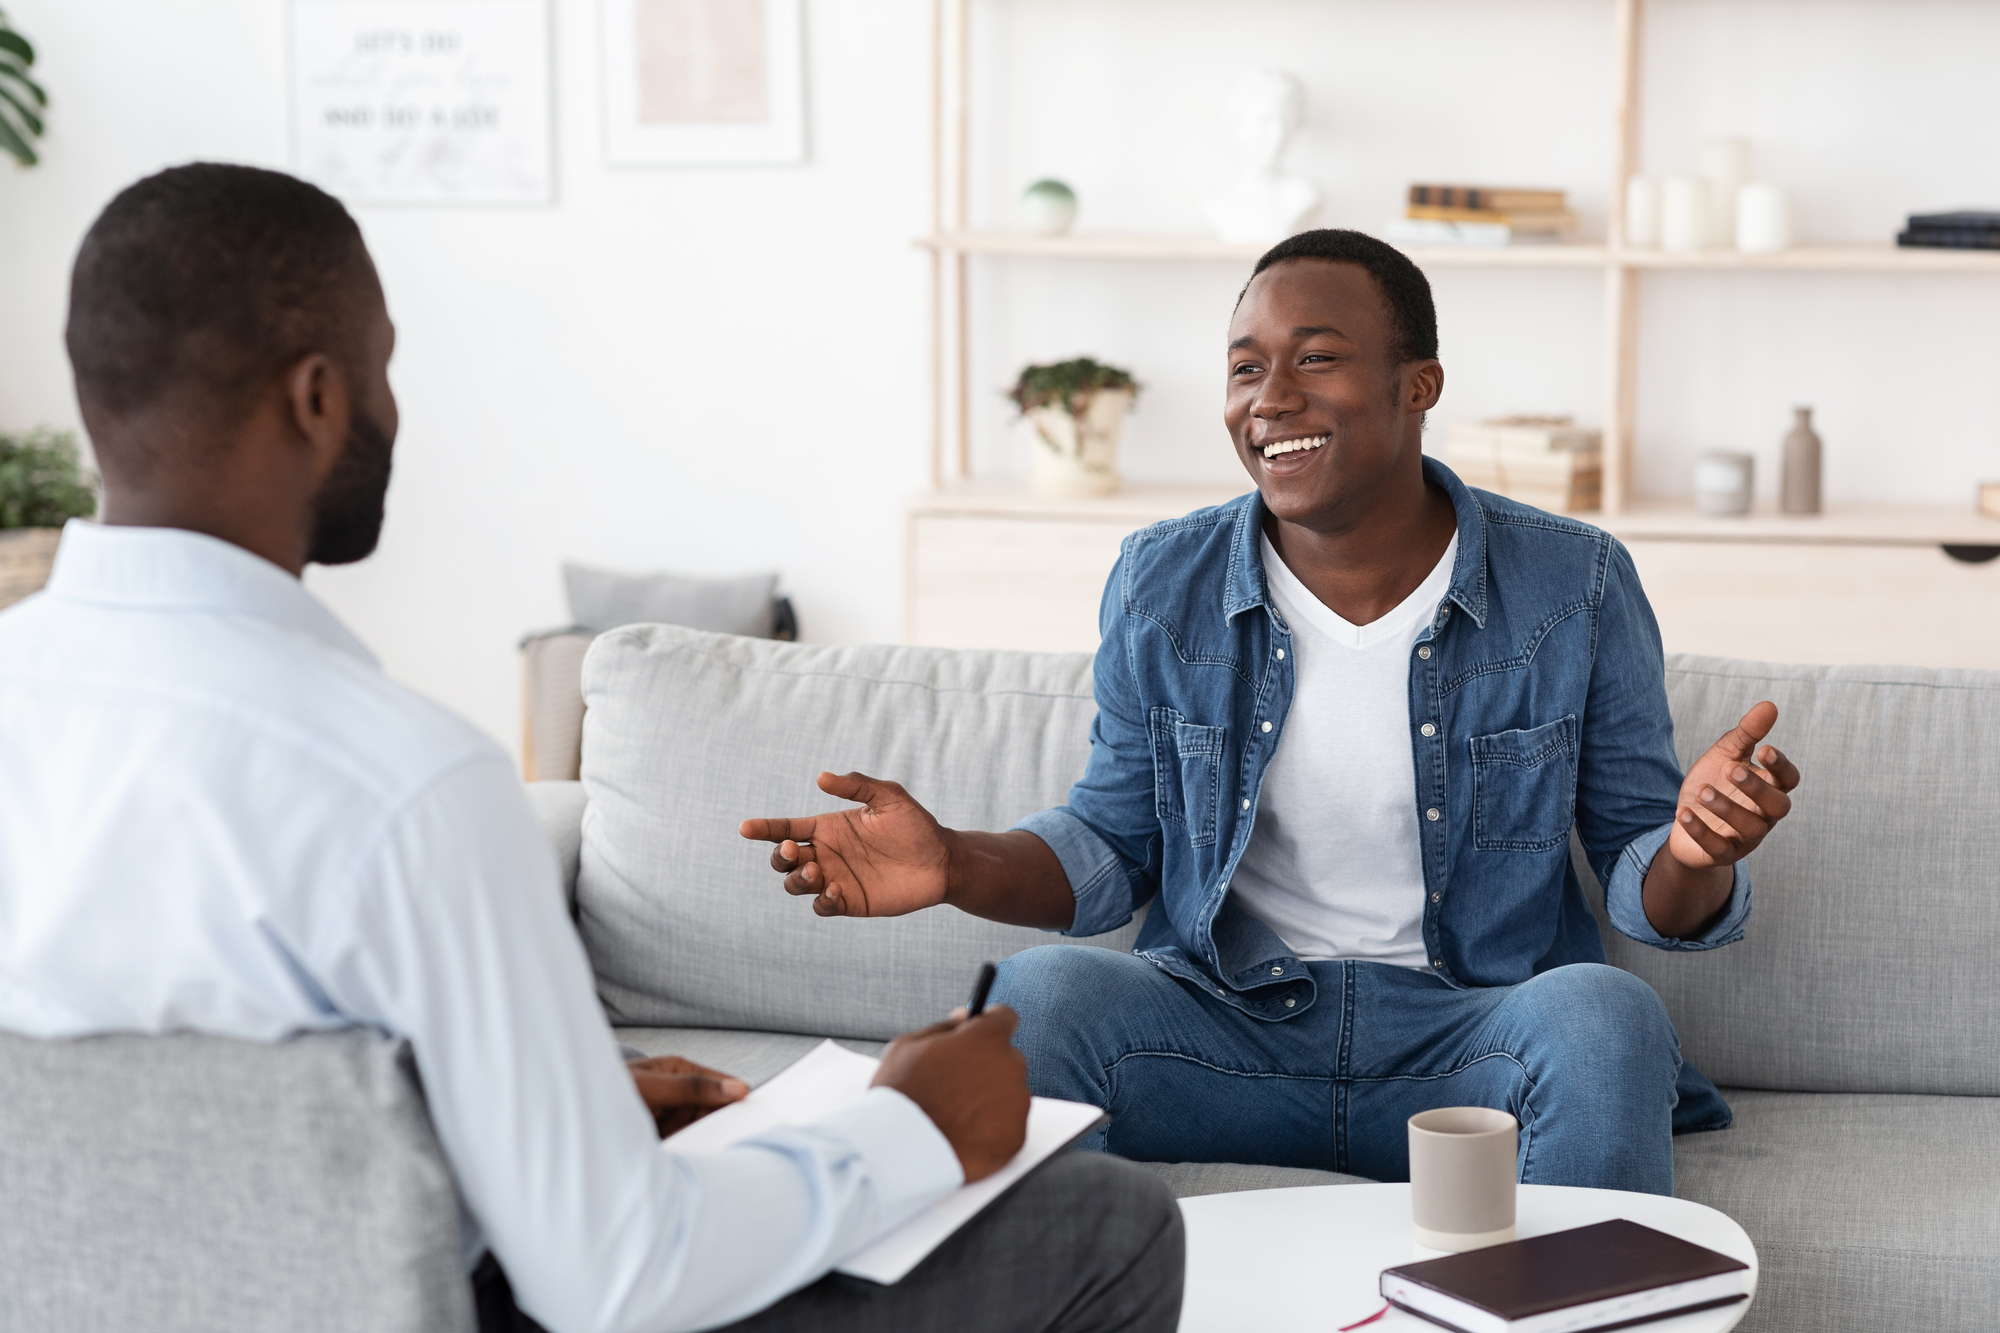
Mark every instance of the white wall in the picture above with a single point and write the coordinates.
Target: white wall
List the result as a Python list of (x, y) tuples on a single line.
[(721, 370), (709, 371)]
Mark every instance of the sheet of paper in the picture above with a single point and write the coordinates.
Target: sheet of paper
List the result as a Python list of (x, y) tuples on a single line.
[(830, 1077)]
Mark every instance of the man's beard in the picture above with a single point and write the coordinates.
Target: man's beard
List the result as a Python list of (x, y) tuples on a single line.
[(347, 512)]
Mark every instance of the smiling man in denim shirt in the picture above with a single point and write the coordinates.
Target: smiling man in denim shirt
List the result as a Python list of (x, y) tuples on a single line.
[(1345, 726)]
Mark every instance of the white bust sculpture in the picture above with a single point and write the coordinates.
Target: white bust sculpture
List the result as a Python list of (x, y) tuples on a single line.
[(1263, 204)]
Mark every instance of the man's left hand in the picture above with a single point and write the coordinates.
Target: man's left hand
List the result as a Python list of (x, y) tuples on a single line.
[(1734, 795), (679, 1092)]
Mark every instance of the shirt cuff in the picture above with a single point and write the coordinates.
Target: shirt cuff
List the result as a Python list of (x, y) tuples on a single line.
[(908, 1159), (1624, 903), (1096, 874)]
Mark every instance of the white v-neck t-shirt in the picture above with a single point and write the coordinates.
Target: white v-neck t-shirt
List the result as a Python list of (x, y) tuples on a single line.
[(1333, 864)]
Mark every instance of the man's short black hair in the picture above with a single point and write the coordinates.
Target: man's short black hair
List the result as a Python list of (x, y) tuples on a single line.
[(197, 284), (1405, 290)]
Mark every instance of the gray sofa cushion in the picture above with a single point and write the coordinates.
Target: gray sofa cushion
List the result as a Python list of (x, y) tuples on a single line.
[(558, 808), (1868, 1211), (1868, 965), (602, 599), (295, 1185), (687, 734)]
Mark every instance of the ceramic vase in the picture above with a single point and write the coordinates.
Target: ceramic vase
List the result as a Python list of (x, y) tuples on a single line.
[(1723, 484), (1684, 213), (1725, 165), (1077, 456), (1798, 486), (1763, 219), (1048, 207), (1642, 213)]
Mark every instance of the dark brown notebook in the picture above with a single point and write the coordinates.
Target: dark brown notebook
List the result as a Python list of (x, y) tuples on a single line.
[(1611, 1275)]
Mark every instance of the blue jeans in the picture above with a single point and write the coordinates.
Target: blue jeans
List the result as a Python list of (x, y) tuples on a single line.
[(1583, 1056)]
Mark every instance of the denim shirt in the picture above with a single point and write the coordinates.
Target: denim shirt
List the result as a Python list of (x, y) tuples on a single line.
[(1537, 703)]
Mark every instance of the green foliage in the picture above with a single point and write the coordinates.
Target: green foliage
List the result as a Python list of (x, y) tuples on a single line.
[(21, 98), (42, 481), (1069, 385)]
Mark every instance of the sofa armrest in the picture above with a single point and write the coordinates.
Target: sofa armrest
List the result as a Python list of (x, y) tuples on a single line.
[(559, 810)]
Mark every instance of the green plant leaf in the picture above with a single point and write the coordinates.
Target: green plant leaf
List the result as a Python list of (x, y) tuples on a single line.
[(28, 118), (10, 70), (15, 146), (1068, 384), (15, 44), (42, 482)]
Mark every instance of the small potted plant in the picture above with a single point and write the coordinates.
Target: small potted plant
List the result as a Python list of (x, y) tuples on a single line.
[(43, 485), (1077, 409)]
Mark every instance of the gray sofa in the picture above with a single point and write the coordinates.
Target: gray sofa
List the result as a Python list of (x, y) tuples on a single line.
[(188, 1184), (1856, 1031)]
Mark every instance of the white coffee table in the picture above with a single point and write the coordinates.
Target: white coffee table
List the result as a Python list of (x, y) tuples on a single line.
[(1311, 1258)]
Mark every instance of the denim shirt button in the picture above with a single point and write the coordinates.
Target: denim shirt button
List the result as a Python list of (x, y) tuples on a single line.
[(1437, 897), (1267, 726), (1431, 814), (1438, 963), (1429, 729), (1246, 805), (1424, 652), (1290, 1002), (1281, 654), (1277, 971)]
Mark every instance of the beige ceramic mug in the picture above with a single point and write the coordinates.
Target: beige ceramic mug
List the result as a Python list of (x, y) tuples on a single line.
[(1462, 1175)]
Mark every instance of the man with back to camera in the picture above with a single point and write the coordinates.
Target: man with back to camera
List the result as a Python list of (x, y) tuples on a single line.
[(1345, 724), (217, 814)]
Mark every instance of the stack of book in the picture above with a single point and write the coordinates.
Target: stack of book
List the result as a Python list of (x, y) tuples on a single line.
[(1616, 1274), (1481, 214), (1968, 230), (1547, 462)]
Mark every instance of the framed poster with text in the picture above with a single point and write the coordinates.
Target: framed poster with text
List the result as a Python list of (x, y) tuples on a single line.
[(422, 101), (699, 82)]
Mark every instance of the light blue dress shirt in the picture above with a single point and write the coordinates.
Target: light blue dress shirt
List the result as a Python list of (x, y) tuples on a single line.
[(217, 814)]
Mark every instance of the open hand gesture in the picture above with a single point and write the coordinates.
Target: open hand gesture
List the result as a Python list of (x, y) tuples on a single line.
[(1733, 795), (887, 858)]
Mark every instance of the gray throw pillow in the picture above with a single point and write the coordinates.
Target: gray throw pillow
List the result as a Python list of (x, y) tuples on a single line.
[(603, 599)]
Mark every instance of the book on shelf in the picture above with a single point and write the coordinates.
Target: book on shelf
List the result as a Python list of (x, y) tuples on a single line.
[(1426, 231), (1969, 239), (1989, 498), (1500, 198), (1967, 219), (1548, 462), (1967, 229), (1612, 1275), (1552, 222)]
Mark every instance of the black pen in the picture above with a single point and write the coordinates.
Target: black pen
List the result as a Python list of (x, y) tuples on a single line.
[(979, 990)]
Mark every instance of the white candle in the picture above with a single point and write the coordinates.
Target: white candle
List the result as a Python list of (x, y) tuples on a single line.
[(1763, 218), (1684, 213), (1642, 212), (1725, 164)]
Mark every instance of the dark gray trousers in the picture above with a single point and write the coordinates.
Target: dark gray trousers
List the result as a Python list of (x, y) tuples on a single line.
[(1086, 1244)]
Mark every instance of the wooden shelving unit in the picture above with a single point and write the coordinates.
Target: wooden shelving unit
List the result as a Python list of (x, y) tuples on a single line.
[(951, 244), (989, 564), (1803, 259)]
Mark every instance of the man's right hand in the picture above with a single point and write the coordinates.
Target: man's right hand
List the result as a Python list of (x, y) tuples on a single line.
[(967, 1077), (885, 859)]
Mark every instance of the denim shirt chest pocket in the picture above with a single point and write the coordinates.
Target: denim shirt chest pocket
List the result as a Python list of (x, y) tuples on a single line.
[(1187, 773), (1524, 787)]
